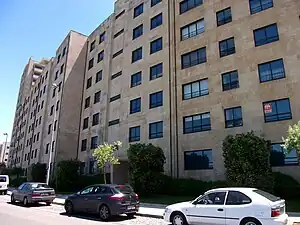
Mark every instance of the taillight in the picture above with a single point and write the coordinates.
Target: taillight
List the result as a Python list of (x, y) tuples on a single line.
[(275, 212), (117, 197), (36, 194), (136, 196)]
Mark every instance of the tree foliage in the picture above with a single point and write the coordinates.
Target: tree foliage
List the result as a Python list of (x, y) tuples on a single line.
[(146, 167), (67, 174), (247, 161), (38, 172), (104, 154), (293, 138)]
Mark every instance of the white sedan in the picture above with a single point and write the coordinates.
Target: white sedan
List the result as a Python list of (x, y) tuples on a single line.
[(229, 206)]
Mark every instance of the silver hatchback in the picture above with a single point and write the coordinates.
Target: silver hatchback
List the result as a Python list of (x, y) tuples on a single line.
[(33, 192)]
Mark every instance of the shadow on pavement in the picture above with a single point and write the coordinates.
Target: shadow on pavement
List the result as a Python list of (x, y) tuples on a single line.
[(96, 218), (30, 205)]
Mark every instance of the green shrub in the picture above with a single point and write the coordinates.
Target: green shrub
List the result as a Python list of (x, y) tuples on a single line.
[(16, 182), (285, 186), (246, 159), (146, 167), (39, 172)]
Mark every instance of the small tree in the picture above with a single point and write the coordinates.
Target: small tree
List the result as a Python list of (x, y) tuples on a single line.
[(293, 138), (104, 154), (247, 161)]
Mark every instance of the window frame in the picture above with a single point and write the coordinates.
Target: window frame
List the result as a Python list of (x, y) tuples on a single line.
[(267, 40), (155, 2), (192, 129), (97, 100), (135, 138), (252, 11), (135, 105), (134, 84), (236, 122), (157, 134), (191, 89), (138, 10), (189, 6), (156, 103), (231, 84), (99, 75), (195, 33), (210, 163), (284, 156), (137, 55), (85, 123), (224, 20), (83, 146), (158, 44), (241, 203), (153, 69), (227, 51), (276, 101), (93, 145), (96, 119), (156, 21), (269, 63), (137, 31), (91, 63), (197, 61)]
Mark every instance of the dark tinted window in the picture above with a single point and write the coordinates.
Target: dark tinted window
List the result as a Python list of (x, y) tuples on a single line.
[(137, 55), (2, 179), (135, 105), (137, 32), (134, 134), (267, 195), (237, 198), (83, 145), (138, 10), (156, 71), (156, 130), (271, 70), (230, 80), (277, 110), (281, 157), (98, 76), (39, 186), (100, 56), (196, 123), (260, 5), (156, 21), (102, 190), (195, 89), (156, 99), (91, 63), (265, 35), (156, 45), (136, 79), (192, 29), (216, 198), (187, 5), (154, 2), (227, 47), (224, 16), (193, 58), (94, 142), (233, 117), (198, 160)]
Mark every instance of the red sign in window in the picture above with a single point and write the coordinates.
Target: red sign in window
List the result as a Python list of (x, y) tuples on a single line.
[(268, 108)]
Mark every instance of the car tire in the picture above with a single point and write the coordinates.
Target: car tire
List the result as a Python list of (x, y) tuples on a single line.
[(104, 212), (130, 215), (178, 218), (250, 221), (48, 203), (5, 192), (25, 202), (69, 208), (12, 199)]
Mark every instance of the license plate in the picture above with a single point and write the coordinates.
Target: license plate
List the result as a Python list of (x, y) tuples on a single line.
[(44, 194), (131, 207)]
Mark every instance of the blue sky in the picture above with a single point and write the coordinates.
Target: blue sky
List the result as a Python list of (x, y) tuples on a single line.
[(36, 28)]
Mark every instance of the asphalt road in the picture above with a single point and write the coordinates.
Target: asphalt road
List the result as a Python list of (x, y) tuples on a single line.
[(54, 214)]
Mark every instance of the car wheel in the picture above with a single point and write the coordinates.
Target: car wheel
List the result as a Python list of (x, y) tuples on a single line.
[(104, 212), (5, 192), (178, 219), (130, 215), (12, 199), (48, 203), (69, 208), (250, 221), (25, 201)]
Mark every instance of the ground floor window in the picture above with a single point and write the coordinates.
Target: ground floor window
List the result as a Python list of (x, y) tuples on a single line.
[(198, 160), (279, 157)]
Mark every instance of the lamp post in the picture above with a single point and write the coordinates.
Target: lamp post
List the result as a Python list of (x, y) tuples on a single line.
[(5, 143), (54, 86)]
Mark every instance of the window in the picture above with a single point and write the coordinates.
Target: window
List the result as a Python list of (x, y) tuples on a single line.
[(37, 136), (136, 79), (117, 53), (156, 71), (119, 33), (94, 142), (237, 198), (120, 14), (233, 117), (265, 35), (98, 76), (195, 89), (137, 32), (51, 110), (64, 51), (102, 37), (156, 99), (58, 58), (113, 122), (96, 119), (198, 160), (193, 58), (92, 46), (156, 45), (137, 55), (83, 145), (87, 102), (55, 125), (277, 110), (230, 80), (227, 47), (85, 123), (100, 56), (53, 92), (56, 76), (91, 63), (192, 29), (224, 16), (116, 75), (196, 123), (138, 10), (134, 134), (156, 21), (135, 105), (260, 5), (57, 105), (156, 130), (44, 89), (273, 70), (154, 2), (187, 5), (47, 148), (97, 97), (114, 98), (89, 83), (49, 128), (280, 156)]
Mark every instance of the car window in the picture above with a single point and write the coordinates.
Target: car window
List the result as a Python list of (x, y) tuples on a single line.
[(237, 198), (102, 190), (21, 186), (124, 189), (267, 195), (215, 198), (39, 186), (87, 191), (2, 179)]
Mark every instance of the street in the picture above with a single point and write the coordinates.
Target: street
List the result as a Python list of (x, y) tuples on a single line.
[(54, 214)]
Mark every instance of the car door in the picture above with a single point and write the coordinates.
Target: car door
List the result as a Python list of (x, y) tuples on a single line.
[(97, 197), (80, 202), (237, 206), (18, 192), (208, 209)]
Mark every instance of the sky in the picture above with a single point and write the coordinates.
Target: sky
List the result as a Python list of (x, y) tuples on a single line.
[(35, 28)]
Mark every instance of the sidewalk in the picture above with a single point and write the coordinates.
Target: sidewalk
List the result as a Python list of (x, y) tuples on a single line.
[(157, 210)]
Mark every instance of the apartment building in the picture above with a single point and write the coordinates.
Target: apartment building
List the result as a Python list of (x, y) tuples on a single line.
[(4, 152), (181, 74)]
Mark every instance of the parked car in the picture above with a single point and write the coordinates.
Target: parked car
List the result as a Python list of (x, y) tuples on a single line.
[(4, 182), (230, 206), (32, 192), (106, 200)]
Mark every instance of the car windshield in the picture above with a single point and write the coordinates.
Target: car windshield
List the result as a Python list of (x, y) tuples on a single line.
[(267, 195), (40, 186), (124, 189), (2, 179)]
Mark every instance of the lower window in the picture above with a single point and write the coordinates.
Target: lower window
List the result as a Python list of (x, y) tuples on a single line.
[(198, 160), (279, 156)]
